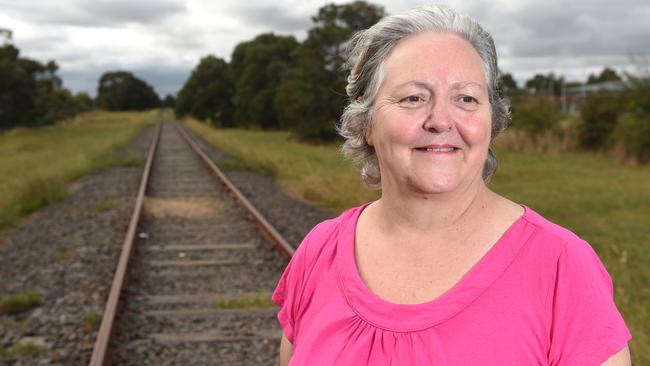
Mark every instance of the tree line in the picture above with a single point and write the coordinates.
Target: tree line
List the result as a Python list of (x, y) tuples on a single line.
[(32, 94), (276, 82)]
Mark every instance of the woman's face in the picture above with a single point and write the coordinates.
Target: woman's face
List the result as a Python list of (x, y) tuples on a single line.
[(431, 120)]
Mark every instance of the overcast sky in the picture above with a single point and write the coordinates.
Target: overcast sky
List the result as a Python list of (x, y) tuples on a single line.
[(161, 41)]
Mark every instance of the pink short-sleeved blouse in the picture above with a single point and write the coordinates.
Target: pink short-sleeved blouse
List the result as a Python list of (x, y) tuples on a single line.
[(540, 296)]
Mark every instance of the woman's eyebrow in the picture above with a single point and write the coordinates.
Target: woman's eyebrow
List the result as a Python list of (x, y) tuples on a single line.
[(464, 84), (419, 84)]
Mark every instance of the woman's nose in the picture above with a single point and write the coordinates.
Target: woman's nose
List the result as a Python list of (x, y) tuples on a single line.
[(439, 119)]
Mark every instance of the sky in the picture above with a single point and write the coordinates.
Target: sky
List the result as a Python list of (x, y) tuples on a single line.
[(161, 41)]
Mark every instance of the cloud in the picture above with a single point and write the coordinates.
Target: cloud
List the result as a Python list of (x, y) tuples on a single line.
[(280, 19), (98, 13), (580, 29)]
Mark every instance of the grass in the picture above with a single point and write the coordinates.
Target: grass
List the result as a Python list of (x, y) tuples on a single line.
[(259, 300), (37, 164), (21, 350), (91, 319), (606, 203), (63, 255), (20, 302)]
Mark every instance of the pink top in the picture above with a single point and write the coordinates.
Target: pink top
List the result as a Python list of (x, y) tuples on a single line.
[(540, 296)]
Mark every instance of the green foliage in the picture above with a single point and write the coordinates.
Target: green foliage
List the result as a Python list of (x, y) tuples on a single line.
[(312, 96), (208, 92), (606, 75), (507, 84), (91, 319), (33, 172), (122, 91), (258, 68), (259, 300), (633, 131), (31, 93), (599, 115), (20, 302), (169, 101), (535, 115), (21, 350), (549, 84)]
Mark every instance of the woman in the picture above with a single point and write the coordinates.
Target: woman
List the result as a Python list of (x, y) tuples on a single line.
[(440, 270)]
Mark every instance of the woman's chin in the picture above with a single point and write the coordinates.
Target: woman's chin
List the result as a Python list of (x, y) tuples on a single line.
[(433, 186)]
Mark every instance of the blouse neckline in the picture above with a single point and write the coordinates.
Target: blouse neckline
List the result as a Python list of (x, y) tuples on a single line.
[(414, 317)]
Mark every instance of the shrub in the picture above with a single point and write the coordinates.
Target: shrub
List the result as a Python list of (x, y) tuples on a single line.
[(633, 133), (599, 115), (535, 115)]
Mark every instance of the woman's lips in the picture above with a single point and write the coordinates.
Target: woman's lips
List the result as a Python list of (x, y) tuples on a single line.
[(437, 148)]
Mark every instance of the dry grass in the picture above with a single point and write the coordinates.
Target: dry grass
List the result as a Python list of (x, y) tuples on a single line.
[(188, 208)]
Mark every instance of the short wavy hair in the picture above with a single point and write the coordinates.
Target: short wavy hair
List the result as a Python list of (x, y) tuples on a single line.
[(366, 55)]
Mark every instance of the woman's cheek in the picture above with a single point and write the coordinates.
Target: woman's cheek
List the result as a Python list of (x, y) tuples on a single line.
[(475, 130)]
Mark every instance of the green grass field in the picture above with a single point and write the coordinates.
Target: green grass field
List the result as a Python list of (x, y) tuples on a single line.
[(605, 203), (37, 164)]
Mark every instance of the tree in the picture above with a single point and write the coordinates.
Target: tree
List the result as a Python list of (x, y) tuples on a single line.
[(207, 93), (31, 93), (606, 75), (169, 101), (507, 84), (258, 68), (312, 95), (545, 84), (122, 91)]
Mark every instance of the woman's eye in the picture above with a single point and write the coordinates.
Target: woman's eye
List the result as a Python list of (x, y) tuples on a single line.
[(468, 99), (412, 99)]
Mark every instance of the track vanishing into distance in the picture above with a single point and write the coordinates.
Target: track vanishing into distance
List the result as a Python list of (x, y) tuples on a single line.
[(200, 274)]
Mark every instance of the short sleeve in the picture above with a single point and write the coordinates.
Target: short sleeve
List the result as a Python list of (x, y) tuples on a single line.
[(287, 294), (586, 327)]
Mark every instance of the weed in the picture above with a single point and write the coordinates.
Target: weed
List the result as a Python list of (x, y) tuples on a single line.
[(63, 255), (259, 300), (20, 302), (21, 350), (91, 319)]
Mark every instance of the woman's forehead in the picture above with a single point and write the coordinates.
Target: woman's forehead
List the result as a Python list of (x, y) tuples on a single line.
[(434, 58)]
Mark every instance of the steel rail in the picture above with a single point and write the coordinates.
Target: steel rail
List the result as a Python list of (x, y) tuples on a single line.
[(266, 229), (100, 354)]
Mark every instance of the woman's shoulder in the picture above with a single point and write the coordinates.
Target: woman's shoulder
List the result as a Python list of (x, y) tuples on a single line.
[(549, 230), (558, 242), (325, 233)]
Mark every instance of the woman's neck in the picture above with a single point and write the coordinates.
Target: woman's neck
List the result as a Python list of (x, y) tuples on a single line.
[(413, 215)]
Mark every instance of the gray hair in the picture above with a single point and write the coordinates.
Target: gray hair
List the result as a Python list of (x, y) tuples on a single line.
[(365, 56)]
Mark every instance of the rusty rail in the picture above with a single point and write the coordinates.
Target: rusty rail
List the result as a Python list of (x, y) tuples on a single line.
[(266, 229), (104, 335)]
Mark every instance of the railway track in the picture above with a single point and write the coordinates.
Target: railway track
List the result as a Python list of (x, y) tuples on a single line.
[(200, 272)]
